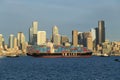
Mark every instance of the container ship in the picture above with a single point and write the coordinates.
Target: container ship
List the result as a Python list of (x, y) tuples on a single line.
[(58, 51)]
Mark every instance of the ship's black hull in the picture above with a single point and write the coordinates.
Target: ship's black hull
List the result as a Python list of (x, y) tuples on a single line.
[(60, 55)]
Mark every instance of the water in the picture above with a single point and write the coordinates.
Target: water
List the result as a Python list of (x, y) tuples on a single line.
[(29, 68)]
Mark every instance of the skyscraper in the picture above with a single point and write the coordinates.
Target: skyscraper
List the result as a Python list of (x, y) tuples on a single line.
[(3, 42), (1, 36), (15, 43), (87, 40), (97, 38), (57, 39), (35, 27), (30, 35), (80, 38), (21, 39), (11, 41), (74, 37), (41, 37), (101, 31), (89, 43), (54, 32), (93, 32), (24, 46), (35, 30)]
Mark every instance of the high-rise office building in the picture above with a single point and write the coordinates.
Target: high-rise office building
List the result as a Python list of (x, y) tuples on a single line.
[(101, 31), (74, 37), (15, 43), (57, 39), (93, 32), (35, 30), (35, 27), (11, 41), (54, 32), (21, 39), (80, 38), (1, 36), (41, 37), (96, 31), (3, 42), (24, 46), (87, 40), (30, 35), (89, 43)]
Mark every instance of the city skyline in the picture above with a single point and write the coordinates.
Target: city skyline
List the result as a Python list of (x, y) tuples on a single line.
[(33, 31), (81, 15)]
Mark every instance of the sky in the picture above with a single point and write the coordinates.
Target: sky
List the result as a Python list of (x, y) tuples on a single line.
[(82, 15)]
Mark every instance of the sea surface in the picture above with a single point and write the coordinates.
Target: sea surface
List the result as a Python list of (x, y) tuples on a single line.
[(30, 68)]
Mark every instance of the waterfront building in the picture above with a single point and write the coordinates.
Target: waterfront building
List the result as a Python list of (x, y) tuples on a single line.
[(101, 31), (41, 37), (6, 47), (50, 44), (75, 38), (106, 47), (11, 41), (67, 44), (24, 46), (99, 48)]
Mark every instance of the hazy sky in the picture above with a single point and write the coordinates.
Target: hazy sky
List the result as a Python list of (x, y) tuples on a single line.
[(17, 16)]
